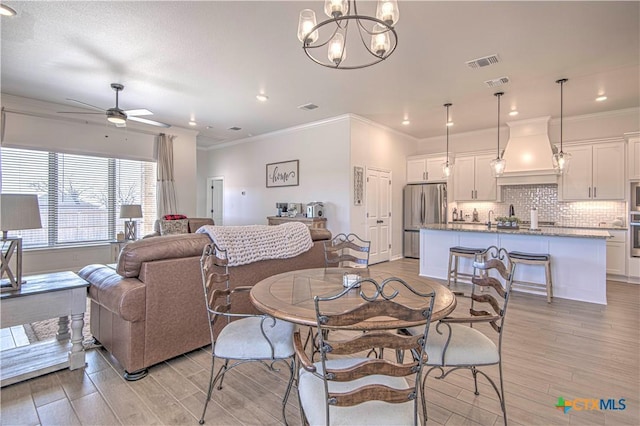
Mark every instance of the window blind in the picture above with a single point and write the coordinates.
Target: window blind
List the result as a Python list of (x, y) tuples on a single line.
[(79, 196)]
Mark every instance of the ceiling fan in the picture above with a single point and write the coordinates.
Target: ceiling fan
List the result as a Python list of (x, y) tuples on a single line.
[(116, 115)]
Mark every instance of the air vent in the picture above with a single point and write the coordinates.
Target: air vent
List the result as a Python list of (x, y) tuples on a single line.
[(497, 81), (483, 62), (308, 107), (236, 128)]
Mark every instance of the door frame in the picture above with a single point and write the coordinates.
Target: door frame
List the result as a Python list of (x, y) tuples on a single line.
[(390, 203), (209, 197)]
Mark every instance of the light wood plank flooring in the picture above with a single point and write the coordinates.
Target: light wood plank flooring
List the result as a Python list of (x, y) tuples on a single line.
[(569, 349)]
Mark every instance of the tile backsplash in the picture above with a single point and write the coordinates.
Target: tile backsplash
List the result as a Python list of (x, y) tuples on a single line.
[(545, 199)]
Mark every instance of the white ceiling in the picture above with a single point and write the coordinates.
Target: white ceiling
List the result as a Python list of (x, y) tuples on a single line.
[(208, 60)]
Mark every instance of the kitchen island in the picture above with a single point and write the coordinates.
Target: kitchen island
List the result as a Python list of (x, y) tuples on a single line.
[(578, 256)]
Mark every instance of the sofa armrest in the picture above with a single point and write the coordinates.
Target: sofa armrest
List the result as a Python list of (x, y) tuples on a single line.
[(122, 296)]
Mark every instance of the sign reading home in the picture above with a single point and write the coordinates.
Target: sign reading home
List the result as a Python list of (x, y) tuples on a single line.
[(282, 174)]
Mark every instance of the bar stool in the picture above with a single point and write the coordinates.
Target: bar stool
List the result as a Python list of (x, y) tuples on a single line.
[(536, 260), (455, 253)]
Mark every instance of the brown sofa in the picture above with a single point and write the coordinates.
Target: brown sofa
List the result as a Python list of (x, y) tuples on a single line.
[(193, 224), (151, 307)]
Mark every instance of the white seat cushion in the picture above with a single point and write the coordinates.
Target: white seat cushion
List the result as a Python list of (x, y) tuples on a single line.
[(312, 398), (242, 339), (468, 346)]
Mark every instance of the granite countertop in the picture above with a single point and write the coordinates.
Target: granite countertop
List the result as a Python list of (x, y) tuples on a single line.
[(552, 231), (607, 227)]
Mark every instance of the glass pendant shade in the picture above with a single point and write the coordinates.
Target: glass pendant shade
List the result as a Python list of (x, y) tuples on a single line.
[(497, 166), (561, 162), (380, 42), (306, 22), (447, 169), (388, 12), (336, 8), (337, 51)]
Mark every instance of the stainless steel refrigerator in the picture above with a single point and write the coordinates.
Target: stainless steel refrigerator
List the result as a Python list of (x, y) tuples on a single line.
[(423, 204)]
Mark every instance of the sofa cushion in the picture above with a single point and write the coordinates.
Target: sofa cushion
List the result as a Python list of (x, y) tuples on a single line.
[(197, 222), (159, 248), (170, 227)]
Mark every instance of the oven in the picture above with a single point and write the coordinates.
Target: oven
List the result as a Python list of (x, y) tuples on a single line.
[(634, 226), (635, 197)]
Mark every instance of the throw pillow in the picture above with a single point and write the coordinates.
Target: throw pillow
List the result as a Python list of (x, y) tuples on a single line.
[(169, 227), (173, 216)]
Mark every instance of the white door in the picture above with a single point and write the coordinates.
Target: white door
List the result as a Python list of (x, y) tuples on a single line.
[(215, 195), (379, 215)]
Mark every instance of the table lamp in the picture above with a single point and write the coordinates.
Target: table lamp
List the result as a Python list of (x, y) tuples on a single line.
[(17, 212), (130, 211)]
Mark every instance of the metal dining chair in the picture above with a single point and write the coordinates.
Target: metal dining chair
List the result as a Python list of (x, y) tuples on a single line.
[(347, 251), (238, 338), (456, 344), (350, 388)]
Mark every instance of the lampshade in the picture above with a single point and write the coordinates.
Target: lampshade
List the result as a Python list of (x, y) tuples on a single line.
[(130, 211), (19, 211)]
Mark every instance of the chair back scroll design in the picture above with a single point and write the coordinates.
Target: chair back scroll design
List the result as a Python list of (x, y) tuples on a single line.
[(455, 346), (347, 250), (378, 300), (240, 337)]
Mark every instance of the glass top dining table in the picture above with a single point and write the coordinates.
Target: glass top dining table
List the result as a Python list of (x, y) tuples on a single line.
[(289, 296)]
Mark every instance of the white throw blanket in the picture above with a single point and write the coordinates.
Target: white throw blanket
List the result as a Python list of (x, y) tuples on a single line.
[(251, 243)]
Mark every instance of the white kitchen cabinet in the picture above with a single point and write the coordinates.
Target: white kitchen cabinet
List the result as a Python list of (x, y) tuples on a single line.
[(634, 269), (425, 169), (617, 253), (633, 150), (417, 170), (473, 180), (596, 172)]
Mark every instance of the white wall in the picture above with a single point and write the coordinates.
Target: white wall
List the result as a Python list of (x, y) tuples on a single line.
[(375, 146), (323, 151), (34, 124)]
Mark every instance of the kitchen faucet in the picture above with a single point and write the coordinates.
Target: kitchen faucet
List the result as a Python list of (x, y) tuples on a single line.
[(489, 219)]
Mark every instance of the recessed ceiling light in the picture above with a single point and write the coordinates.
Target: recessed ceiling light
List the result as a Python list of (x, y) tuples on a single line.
[(405, 122), (262, 98), (192, 123), (601, 98), (513, 113), (6, 10)]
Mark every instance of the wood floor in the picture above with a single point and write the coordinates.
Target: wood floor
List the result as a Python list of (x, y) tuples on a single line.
[(563, 349)]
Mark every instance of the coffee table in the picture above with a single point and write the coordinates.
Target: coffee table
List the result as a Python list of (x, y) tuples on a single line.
[(46, 296)]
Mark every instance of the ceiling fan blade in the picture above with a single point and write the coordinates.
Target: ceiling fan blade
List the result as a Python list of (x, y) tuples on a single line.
[(145, 121), (142, 111), (78, 112), (86, 104)]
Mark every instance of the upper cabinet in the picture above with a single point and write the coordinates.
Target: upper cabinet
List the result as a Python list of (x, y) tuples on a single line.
[(472, 179), (634, 156), (596, 173), (425, 169)]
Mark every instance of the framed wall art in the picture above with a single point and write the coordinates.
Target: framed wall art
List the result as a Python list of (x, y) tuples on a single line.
[(358, 185), (285, 173)]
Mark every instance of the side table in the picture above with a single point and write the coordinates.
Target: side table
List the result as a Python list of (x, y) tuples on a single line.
[(46, 296), (116, 248)]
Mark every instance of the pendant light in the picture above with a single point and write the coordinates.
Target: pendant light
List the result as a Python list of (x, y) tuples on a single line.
[(447, 167), (497, 165), (561, 159)]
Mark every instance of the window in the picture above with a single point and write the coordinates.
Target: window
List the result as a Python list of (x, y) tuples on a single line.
[(79, 195)]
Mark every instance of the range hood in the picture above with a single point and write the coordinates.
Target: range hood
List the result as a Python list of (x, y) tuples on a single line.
[(529, 154)]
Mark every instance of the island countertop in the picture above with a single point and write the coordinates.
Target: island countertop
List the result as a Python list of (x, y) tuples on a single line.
[(552, 231)]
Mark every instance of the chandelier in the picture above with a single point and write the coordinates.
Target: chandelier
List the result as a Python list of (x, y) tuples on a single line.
[(329, 37)]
